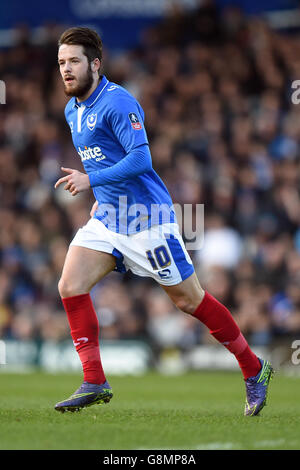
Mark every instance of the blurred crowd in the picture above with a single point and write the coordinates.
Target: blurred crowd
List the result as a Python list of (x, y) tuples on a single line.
[(223, 132)]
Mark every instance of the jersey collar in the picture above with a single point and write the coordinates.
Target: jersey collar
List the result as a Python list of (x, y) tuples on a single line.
[(95, 95)]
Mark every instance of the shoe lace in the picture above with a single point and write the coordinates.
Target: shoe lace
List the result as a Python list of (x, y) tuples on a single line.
[(252, 390), (81, 389)]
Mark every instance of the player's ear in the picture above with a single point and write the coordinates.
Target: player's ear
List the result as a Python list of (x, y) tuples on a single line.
[(96, 65)]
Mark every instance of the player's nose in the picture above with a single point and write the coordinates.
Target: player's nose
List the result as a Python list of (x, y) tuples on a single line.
[(67, 68)]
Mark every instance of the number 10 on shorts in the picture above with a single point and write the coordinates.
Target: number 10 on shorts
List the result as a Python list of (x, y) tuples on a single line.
[(160, 257)]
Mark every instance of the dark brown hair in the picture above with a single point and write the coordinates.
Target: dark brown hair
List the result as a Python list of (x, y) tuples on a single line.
[(85, 37)]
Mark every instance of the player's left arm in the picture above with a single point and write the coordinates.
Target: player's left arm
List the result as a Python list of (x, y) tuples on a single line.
[(135, 163), (75, 180), (126, 120), (138, 161)]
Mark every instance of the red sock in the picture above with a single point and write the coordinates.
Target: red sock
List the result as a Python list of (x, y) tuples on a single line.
[(85, 333), (223, 327)]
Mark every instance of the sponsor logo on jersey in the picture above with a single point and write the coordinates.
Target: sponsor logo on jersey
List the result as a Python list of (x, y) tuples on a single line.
[(91, 121), (135, 123), (164, 274), (88, 153)]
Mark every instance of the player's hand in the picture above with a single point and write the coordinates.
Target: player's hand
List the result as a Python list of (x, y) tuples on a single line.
[(94, 208), (76, 182)]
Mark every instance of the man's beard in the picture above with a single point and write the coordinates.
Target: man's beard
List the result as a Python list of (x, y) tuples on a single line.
[(83, 87)]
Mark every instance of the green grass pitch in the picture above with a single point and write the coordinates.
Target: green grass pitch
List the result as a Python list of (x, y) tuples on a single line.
[(198, 410)]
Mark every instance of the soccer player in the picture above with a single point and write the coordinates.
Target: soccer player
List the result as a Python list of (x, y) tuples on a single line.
[(133, 225)]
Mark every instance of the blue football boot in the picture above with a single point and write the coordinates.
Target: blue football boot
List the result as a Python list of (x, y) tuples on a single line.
[(86, 395), (257, 389)]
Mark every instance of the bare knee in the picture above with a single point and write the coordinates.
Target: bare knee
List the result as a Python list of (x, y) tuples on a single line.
[(187, 295), (189, 304), (70, 288)]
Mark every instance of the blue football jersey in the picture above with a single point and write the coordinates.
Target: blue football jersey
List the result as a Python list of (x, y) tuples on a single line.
[(105, 128)]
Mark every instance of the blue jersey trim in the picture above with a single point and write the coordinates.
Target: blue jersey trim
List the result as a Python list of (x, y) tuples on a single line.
[(120, 266), (184, 267)]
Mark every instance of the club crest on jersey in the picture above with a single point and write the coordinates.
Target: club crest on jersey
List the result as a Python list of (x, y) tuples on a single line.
[(135, 123), (91, 121)]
